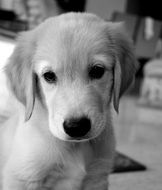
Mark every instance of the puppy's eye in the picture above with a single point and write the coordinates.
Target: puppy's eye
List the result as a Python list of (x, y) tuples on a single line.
[(50, 77), (96, 71)]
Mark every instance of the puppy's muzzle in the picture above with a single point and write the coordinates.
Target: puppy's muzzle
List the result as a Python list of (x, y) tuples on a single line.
[(77, 127)]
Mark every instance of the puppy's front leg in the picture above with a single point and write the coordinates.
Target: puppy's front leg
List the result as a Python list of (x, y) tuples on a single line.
[(14, 178), (11, 182), (103, 152), (97, 176)]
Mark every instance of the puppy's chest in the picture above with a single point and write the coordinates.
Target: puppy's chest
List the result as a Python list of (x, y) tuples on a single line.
[(66, 176)]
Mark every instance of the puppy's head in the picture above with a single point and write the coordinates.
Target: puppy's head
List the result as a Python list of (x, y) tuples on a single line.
[(81, 63)]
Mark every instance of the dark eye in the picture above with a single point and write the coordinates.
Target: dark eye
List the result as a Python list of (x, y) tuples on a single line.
[(96, 71), (50, 77)]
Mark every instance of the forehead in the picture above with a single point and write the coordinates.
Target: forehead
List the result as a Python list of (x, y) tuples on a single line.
[(73, 40)]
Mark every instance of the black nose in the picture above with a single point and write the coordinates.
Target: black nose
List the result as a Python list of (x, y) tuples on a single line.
[(77, 127)]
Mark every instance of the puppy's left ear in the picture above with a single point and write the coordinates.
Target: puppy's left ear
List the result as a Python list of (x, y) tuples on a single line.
[(125, 61), (19, 72)]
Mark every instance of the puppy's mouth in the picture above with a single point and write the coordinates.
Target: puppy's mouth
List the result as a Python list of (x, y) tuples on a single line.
[(78, 139)]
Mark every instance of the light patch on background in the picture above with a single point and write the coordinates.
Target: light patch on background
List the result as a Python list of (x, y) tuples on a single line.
[(6, 49)]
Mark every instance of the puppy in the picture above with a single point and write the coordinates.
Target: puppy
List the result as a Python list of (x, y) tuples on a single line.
[(65, 75)]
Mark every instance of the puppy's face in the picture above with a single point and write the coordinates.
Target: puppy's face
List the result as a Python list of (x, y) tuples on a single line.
[(77, 59), (76, 76)]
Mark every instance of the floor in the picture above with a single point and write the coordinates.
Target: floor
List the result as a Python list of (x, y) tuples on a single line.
[(141, 139)]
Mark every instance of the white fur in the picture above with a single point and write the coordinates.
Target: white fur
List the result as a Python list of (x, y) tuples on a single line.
[(36, 152)]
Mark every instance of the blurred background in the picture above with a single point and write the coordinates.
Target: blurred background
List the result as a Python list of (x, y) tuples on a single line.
[(138, 126)]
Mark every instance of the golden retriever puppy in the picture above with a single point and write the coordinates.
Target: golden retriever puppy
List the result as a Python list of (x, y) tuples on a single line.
[(65, 76)]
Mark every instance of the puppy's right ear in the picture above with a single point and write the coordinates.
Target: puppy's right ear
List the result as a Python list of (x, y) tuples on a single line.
[(19, 71), (125, 61)]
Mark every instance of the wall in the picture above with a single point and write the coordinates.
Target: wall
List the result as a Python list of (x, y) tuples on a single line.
[(105, 8)]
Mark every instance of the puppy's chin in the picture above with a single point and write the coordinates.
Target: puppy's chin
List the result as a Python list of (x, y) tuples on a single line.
[(83, 139)]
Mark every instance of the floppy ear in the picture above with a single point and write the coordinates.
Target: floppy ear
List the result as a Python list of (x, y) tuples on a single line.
[(125, 61), (19, 72)]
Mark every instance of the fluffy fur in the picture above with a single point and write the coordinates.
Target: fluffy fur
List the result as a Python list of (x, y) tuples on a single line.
[(36, 153)]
